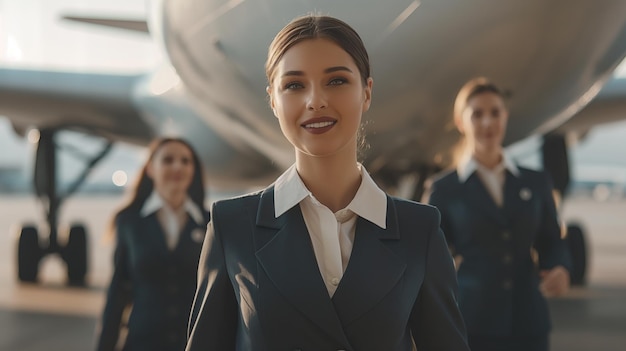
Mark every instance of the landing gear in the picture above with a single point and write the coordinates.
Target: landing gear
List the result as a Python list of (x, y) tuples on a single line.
[(28, 254), (556, 162), (31, 247), (75, 255), (578, 250)]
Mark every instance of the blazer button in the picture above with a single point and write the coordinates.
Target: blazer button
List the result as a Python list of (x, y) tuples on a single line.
[(172, 311), (507, 284), (172, 337), (172, 289), (507, 259), (506, 235)]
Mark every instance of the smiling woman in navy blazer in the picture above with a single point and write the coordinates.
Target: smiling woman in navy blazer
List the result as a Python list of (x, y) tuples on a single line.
[(323, 259), (159, 238), (496, 217)]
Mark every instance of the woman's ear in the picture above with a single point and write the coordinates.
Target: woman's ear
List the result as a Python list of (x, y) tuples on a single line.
[(458, 122), (268, 90), (459, 125), (149, 170), (368, 94)]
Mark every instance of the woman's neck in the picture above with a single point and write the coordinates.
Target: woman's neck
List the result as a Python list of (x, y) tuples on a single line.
[(333, 180), (488, 158), (174, 199)]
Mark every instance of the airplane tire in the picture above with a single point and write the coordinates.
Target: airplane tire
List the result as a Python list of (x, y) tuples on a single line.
[(28, 254), (75, 255), (578, 251)]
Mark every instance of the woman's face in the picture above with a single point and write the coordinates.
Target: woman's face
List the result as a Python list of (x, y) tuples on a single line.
[(484, 121), (171, 168), (318, 96)]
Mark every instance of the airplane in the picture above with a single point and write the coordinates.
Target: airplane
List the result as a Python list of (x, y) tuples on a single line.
[(551, 58)]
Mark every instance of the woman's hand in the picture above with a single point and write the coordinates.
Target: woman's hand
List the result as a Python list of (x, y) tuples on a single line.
[(554, 282)]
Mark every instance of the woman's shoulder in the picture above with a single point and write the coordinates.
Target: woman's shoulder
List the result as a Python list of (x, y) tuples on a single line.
[(410, 208), (126, 222), (236, 203), (445, 178), (126, 217), (534, 175), (415, 220), (443, 184), (529, 172)]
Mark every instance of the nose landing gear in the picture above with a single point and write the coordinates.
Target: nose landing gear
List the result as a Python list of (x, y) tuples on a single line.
[(31, 246)]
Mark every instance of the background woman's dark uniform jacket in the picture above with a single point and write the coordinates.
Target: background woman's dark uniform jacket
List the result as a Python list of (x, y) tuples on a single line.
[(498, 281), (159, 283), (261, 289)]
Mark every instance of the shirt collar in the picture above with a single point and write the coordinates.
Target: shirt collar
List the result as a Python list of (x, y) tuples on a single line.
[(469, 165), (155, 202), (289, 190), (369, 202)]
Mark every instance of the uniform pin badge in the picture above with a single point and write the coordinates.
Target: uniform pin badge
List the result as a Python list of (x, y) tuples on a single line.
[(197, 235)]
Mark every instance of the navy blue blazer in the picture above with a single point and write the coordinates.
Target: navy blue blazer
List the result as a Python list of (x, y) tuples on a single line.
[(158, 283), (260, 288), (498, 277)]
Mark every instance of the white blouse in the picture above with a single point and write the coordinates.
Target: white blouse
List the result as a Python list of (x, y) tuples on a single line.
[(493, 179), (332, 234), (172, 221)]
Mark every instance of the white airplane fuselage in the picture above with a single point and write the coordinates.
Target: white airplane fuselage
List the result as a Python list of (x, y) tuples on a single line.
[(550, 57)]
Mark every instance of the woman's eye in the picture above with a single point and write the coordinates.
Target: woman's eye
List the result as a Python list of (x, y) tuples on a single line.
[(292, 86), (338, 81)]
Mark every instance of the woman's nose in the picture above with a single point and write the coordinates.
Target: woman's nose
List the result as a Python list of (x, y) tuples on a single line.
[(486, 121), (316, 100), (177, 165)]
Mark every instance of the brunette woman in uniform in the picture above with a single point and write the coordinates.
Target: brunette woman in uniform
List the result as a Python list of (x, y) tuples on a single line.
[(159, 237), (323, 259)]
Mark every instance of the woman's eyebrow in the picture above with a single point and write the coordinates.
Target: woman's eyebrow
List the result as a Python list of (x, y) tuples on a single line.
[(327, 70), (337, 68)]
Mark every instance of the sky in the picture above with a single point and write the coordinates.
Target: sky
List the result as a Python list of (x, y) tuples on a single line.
[(32, 35)]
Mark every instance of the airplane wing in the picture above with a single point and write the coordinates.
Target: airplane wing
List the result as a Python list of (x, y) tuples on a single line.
[(133, 109), (96, 104), (608, 106)]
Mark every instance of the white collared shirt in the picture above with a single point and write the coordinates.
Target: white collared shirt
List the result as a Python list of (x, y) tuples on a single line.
[(493, 179), (172, 221), (332, 234)]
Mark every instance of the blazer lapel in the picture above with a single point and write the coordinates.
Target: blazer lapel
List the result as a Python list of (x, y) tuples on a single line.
[(154, 229), (189, 236), (285, 252), (479, 198), (372, 264)]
